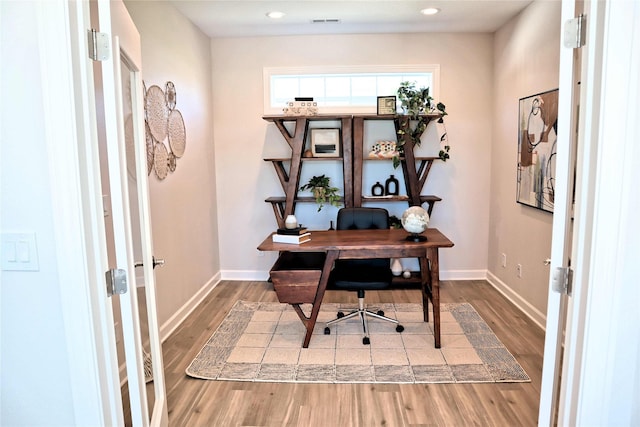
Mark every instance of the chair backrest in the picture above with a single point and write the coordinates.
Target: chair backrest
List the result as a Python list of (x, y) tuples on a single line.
[(362, 219)]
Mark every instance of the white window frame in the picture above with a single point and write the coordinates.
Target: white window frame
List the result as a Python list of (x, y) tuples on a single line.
[(268, 72)]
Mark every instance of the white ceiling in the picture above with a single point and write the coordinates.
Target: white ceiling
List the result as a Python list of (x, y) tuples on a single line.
[(244, 18)]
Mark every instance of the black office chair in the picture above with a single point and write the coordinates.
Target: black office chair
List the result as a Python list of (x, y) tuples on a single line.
[(361, 274)]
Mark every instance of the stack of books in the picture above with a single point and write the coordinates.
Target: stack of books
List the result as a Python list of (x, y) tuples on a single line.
[(291, 235)]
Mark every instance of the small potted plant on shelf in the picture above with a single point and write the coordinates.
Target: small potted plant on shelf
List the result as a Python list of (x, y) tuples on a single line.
[(322, 191), (415, 103), (395, 222)]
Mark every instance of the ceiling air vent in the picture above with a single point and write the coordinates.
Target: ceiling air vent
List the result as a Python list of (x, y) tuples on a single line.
[(325, 21)]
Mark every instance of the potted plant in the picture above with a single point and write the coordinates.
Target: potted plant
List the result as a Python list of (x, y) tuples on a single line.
[(416, 102), (322, 191), (395, 222)]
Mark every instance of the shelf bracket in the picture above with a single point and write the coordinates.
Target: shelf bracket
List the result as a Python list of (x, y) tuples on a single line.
[(282, 173), (278, 210), (423, 172)]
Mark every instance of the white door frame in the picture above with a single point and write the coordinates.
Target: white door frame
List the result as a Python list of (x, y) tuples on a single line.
[(603, 327), (126, 53), (562, 225), (72, 150), (600, 373)]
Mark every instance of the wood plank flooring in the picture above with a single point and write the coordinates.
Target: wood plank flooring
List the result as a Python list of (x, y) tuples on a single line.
[(194, 402)]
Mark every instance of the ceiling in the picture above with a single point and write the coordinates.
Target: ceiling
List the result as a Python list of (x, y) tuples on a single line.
[(246, 18)]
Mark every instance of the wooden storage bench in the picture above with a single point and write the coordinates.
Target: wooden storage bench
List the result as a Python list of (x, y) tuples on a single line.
[(296, 275)]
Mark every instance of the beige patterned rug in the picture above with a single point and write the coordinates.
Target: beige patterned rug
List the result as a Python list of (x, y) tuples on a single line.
[(263, 342)]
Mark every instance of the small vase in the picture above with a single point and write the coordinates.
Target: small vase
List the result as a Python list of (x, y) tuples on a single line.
[(291, 222), (391, 186), (396, 267), (377, 189)]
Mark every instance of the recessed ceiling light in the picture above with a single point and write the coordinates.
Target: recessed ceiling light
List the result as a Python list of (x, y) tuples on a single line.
[(275, 15), (430, 11)]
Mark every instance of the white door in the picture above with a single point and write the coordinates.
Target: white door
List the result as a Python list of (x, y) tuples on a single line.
[(122, 95), (561, 242)]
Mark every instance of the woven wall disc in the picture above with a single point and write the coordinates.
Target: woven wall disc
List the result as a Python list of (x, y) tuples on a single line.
[(157, 113), (170, 95), (177, 133), (160, 160), (150, 148), (172, 162)]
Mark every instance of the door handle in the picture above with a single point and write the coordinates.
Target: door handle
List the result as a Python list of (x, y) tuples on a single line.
[(156, 262)]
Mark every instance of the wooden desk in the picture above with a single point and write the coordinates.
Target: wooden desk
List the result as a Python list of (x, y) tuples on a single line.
[(358, 244)]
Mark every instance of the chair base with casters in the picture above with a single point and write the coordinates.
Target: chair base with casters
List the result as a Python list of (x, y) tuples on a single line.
[(363, 313), (362, 274)]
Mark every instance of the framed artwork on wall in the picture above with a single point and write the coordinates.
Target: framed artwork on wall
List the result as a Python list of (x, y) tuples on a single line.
[(325, 142), (537, 141), (386, 105)]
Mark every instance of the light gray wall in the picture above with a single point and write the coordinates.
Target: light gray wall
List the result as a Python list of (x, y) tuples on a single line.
[(184, 208), (526, 61), (243, 138)]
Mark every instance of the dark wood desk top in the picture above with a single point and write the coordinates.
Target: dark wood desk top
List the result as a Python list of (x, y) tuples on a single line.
[(358, 244), (366, 242)]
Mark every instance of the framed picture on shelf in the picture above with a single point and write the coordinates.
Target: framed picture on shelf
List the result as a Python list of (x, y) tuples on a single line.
[(325, 142), (386, 105)]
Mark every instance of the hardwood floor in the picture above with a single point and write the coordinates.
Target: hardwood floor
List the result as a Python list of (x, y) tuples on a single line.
[(194, 402)]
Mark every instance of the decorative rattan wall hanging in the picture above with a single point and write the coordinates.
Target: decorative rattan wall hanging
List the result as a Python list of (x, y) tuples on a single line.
[(164, 128)]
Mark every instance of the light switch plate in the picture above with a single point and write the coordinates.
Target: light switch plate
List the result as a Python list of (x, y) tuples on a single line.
[(19, 252)]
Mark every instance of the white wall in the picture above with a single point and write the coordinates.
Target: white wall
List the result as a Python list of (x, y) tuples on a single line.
[(35, 387), (526, 61), (243, 139), (183, 205)]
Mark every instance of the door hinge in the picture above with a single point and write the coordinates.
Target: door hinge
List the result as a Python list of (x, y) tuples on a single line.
[(562, 280), (575, 31), (116, 281), (98, 45)]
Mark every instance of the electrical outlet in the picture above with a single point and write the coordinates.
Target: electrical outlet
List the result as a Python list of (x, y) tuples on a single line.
[(519, 270), (504, 260)]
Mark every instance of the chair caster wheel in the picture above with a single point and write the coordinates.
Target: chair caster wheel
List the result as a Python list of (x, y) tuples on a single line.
[(366, 341), (380, 313), (340, 315), (327, 331), (399, 328)]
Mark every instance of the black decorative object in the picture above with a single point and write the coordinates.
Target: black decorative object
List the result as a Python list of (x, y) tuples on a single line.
[(391, 187), (377, 190)]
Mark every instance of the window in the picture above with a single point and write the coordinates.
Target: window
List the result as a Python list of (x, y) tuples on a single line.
[(342, 89)]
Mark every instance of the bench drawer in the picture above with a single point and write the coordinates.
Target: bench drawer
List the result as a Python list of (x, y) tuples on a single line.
[(296, 275)]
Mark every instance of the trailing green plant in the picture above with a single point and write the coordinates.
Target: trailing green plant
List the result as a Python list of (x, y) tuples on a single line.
[(322, 191), (395, 222), (417, 104)]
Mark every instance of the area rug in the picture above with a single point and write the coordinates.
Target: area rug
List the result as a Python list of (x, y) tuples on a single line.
[(263, 342)]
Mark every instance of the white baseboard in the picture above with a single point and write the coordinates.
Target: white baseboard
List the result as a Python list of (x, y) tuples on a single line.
[(167, 328), (249, 275), (530, 311), (463, 274)]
